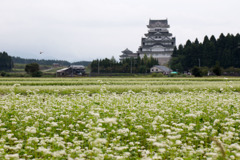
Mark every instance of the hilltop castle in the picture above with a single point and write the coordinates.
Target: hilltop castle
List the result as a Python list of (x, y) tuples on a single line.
[(158, 43)]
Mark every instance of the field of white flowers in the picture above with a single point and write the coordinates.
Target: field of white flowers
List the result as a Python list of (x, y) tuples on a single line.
[(198, 124)]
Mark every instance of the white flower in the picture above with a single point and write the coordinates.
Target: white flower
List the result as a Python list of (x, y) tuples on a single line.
[(158, 118), (58, 153), (100, 141), (54, 124), (158, 144), (178, 142), (65, 132), (139, 127), (235, 146), (12, 156), (44, 150), (110, 120), (31, 130), (50, 119), (191, 115)]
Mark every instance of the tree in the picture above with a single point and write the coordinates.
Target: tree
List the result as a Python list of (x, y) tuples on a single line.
[(128, 65), (225, 49), (217, 69), (3, 74), (33, 69), (197, 72), (6, 63)]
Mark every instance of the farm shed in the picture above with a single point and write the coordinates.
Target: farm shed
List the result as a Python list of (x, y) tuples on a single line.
[(73, 70)]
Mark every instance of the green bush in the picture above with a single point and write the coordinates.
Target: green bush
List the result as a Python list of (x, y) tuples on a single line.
[(157, 75), (33, 69), (3, 74), (37, 74), (217, 70), (197, 71)]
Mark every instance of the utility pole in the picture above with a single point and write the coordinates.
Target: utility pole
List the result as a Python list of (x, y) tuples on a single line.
[(131, 65), (199, 62), (72, 70), (98, 66)]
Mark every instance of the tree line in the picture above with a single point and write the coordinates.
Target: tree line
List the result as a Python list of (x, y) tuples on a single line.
[(224, 51), (6, 62), (130, 65), (39, 61)]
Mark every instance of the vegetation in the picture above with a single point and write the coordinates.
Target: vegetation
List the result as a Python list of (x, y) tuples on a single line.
[(48, 62), (84, 63), (225, 50), (118, 85), (197, 72), (40, 62), (33, 69), (6, 63), (3, 73), (126, 66), (193, 118), (217, 69)]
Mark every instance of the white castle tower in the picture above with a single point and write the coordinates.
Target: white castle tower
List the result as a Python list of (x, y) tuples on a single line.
[(158, 42)]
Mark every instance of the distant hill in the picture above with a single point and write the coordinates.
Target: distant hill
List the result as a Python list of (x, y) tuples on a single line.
[(84, 63), (47, 62), (39, 61)]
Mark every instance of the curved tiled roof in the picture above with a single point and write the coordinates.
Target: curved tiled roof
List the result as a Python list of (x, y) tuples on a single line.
[(127, 51)]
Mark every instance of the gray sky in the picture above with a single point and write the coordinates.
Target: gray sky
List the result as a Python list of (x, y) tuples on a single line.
[(76, 30)]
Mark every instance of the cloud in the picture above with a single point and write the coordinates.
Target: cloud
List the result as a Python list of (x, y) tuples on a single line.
[(85, 30)]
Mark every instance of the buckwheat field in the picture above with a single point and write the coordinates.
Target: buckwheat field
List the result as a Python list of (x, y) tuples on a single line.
[(120, 118)]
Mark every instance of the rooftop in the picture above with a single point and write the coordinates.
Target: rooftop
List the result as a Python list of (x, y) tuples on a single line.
[(163, 68), (158, 23), (127, 51)]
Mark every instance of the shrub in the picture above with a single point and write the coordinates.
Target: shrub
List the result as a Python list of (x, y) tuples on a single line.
[(217, 70), (197, 72), (3, 74), (37, 74), (157, 75), (33, 69)]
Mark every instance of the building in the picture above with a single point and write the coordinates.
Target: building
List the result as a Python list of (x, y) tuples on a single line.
[(73, 70), (127, 54), (56, 65), (160, 69), (158, 42)]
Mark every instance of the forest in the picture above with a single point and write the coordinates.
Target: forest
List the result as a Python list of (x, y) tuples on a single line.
[(224, 51), (126, 66)]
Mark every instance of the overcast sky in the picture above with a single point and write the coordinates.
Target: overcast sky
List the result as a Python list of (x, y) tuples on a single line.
[(76, 30)]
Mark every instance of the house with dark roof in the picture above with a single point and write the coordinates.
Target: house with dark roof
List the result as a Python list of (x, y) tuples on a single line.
[(160, 69), (72, 70)]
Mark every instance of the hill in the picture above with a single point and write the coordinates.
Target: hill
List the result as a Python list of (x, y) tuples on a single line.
[(20, 60)]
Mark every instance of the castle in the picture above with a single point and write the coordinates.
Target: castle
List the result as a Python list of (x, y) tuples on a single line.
[(158, 43)]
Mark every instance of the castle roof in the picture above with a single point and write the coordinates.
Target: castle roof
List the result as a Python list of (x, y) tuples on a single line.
[(158, 23), (127, 51)]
